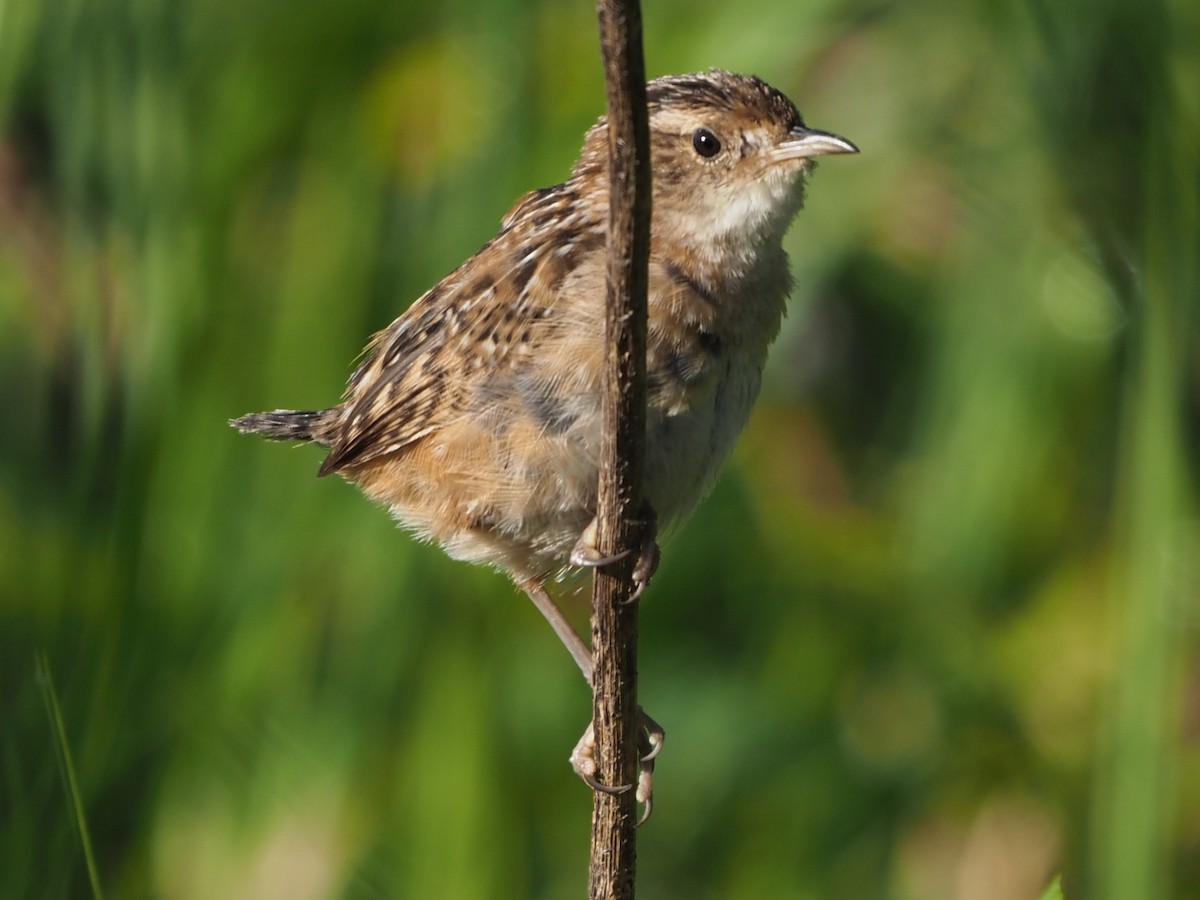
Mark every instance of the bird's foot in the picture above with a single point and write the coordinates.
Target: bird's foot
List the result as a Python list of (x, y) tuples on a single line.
[(650, 742), (587, 553)]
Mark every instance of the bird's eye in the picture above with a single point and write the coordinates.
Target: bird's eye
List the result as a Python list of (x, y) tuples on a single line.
[(706, 143)]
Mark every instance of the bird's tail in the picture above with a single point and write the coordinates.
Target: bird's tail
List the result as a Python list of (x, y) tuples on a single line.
[(285, 425)]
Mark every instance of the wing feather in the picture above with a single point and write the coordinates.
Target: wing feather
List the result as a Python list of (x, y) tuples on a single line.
[(417, 374)]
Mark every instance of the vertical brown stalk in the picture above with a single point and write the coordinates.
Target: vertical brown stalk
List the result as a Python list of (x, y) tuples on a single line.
[(614, 617)]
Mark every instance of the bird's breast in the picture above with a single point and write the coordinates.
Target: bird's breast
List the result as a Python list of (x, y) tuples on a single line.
[(689, 438)]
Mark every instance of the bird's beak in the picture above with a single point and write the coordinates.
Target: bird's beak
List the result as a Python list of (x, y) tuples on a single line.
[(802, 143)]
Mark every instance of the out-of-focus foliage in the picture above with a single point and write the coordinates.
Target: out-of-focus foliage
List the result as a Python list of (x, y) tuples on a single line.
[(932, 637)]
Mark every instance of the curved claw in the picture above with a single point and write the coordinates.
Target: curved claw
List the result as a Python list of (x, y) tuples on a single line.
[(650, 744), (653, 737), (586, 553), (595, 785), (647, 563), (583, 761), (648, 803)]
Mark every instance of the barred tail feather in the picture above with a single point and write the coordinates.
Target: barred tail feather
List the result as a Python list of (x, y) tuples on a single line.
[(285, 425)]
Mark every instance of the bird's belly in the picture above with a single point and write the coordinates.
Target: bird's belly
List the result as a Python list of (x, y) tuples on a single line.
[(518, 494)]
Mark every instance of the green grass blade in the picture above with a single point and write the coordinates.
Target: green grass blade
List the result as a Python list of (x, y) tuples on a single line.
[(67, 768)]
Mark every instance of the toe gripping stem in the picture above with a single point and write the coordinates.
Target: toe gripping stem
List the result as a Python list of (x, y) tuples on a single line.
[(650, 742), (586, 552)]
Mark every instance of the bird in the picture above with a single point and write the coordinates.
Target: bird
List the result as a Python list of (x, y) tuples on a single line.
[(475, 416)]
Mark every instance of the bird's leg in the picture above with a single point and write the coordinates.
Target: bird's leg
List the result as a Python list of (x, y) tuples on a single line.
[(580, 651), (583, 757), (586, 553)]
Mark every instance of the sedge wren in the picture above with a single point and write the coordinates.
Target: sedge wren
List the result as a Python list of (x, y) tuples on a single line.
[(475, 416)]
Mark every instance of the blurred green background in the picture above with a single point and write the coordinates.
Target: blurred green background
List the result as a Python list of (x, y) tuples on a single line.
[(933, 636)]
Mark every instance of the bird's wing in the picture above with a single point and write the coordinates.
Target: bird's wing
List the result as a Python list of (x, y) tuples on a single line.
[(481, 321)]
